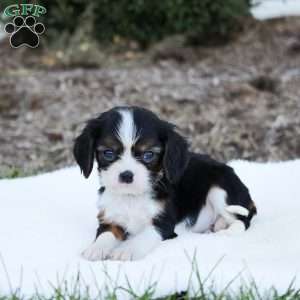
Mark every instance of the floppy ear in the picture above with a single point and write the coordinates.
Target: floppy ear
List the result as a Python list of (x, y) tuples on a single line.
[(176, 156), (84, 152)]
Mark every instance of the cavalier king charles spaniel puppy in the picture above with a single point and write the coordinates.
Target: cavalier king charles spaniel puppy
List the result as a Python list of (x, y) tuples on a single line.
[(150, 182)]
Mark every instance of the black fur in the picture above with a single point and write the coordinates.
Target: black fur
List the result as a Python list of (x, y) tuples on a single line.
[(176, 157), (85, 144), (201, 174), (84, 152)]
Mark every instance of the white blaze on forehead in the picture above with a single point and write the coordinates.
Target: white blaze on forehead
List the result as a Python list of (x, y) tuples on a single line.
[(127, 130)]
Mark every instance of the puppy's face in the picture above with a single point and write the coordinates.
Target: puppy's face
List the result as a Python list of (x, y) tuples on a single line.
[(133, 149)]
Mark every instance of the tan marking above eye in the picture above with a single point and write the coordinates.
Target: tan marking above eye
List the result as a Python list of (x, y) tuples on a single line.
[(147, 146), (109, 142), (156, 149)]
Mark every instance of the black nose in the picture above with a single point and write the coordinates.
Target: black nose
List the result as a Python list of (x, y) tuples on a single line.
[(126, 177)]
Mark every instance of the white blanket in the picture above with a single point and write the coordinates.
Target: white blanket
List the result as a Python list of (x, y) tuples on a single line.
[(269, 9), (45, 221)]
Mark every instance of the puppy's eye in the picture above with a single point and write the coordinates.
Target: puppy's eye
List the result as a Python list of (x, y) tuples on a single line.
[(109, 155), (148, 156)]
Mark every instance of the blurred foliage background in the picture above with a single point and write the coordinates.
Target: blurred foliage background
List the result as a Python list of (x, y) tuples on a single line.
[(204, 22), (148, 21)]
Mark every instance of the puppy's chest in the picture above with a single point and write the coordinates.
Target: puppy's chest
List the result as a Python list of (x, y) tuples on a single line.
[(133, 213)]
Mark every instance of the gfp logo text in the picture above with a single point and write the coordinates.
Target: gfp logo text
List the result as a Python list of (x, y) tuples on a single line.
[(24, 10)]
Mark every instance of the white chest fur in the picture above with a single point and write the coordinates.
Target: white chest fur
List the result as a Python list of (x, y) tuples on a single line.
[(133, 213)]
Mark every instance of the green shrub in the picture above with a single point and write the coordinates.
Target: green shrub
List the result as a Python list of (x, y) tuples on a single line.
[(146, 21)]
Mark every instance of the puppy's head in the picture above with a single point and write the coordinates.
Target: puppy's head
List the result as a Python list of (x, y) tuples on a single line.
[(133, 148)]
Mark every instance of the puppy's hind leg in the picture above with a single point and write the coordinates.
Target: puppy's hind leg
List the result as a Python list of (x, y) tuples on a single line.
[(235, 211), (226, 219)]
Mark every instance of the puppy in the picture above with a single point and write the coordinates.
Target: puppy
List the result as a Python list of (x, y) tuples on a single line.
[(150, 182)]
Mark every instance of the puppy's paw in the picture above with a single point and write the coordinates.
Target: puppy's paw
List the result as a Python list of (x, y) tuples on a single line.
[(94, 252), (233, 229), (120, 255), (125, 252), (219, 225), (100, 249)]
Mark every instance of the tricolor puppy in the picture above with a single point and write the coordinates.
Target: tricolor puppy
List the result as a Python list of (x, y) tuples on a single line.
[(150, 182)]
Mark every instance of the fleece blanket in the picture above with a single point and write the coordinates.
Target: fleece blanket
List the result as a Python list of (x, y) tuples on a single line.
[(46, 221), (269, 9)]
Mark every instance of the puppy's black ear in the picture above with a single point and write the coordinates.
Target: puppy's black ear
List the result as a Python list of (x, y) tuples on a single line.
[(176, 156), (84, 152)]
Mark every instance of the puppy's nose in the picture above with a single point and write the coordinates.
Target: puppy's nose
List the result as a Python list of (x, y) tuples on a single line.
[(126, 177)]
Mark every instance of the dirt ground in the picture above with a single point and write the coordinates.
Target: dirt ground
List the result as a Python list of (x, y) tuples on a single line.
[(241, 100)]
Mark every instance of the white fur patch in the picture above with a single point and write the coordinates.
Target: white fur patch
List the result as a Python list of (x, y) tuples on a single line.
[(137, 246), (126, 131), (133, 213), (205, 219), (141, 184), (237, 209)]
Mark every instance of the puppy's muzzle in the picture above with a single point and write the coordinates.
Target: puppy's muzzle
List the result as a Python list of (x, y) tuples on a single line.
[(126, 177)]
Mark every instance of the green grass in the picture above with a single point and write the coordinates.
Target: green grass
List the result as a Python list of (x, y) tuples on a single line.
[(202, 289), (13, 172), (245, 293)]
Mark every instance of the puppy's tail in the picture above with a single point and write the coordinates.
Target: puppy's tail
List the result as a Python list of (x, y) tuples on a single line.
[(237, 210), (242, 213)]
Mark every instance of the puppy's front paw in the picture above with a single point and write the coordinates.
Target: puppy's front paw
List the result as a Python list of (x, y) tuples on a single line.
[(94, 252), (124, 253), (101, 248)]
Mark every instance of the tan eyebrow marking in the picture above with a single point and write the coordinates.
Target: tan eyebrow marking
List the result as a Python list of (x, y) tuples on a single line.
[(156, 149), (108, 143), (148, 145)]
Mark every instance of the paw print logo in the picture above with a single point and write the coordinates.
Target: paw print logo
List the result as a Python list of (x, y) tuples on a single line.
[(24, 32)]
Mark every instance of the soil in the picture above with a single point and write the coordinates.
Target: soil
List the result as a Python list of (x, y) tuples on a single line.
[(240, 100)]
